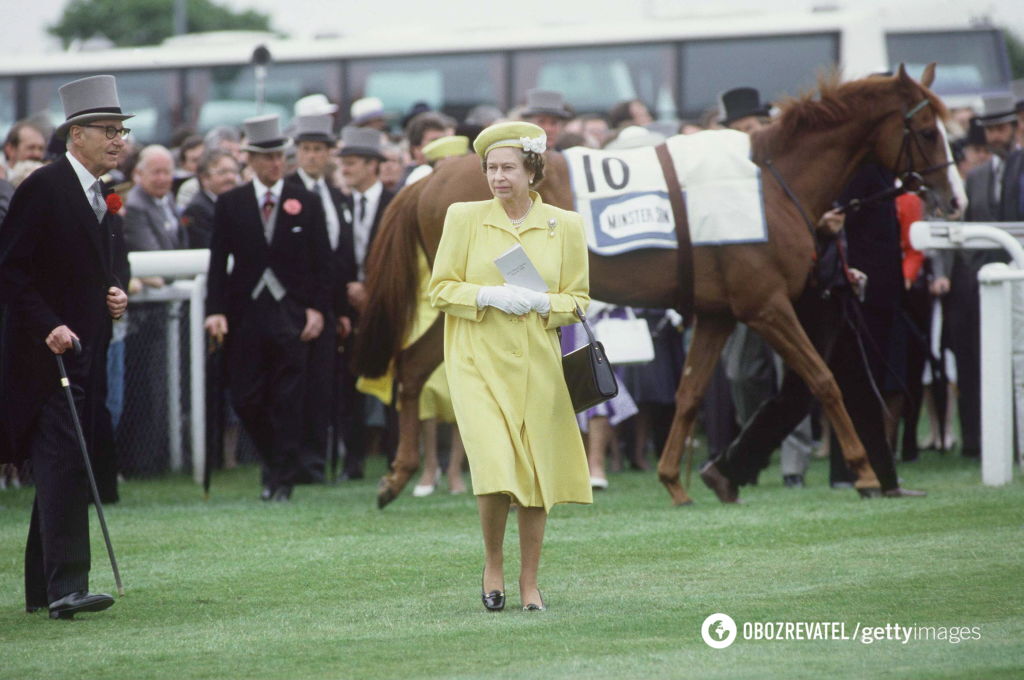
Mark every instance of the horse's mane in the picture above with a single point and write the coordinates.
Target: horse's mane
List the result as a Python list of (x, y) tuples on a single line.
[(834, 102)]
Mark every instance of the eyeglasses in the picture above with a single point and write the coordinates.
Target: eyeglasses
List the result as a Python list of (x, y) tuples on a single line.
[(110, 131)]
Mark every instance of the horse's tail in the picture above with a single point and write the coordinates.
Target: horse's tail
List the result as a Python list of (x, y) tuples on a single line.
[(392, 285)]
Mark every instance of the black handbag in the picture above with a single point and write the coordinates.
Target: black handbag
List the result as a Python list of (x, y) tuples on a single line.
[(588, 373)]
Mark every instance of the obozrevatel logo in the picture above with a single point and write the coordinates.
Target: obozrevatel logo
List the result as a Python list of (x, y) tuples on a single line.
[(718, 630)]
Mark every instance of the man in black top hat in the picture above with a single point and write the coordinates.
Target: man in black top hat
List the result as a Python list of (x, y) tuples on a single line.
[(272, 303), (324, 374), (63, 270), (741, 109)]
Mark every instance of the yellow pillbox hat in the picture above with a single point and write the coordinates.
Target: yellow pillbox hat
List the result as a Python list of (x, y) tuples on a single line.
[(526, 136), (444, 147)]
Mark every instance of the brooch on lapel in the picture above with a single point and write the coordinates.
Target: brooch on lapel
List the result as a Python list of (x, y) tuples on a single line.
[(292, 206), (551, 227)]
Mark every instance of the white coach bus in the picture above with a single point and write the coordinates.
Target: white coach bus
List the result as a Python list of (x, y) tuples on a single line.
[(676, 64)]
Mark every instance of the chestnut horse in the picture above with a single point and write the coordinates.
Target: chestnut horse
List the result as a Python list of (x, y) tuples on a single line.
[(815, 146)]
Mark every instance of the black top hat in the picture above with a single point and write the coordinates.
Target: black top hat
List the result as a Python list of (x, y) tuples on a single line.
[(741, 102)]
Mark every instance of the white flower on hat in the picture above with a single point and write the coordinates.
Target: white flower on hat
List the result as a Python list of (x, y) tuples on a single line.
[(536, 144)]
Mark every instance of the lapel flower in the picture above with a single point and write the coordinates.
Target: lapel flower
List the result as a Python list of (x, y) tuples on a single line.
[(114, 203), (292, 206)]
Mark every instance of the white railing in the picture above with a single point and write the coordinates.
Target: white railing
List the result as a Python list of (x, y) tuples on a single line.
[(997, 319), (181, 263)]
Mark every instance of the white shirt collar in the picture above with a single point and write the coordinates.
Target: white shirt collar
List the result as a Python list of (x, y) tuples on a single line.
[(372, 194), (310, 181), (262, 189), (86, 178)]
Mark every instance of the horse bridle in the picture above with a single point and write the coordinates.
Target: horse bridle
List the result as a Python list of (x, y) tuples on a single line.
[(912, 136), (908, 177)]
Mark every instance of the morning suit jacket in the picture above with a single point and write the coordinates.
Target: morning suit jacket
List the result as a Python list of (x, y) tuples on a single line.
[(197, 220), (1012, 204), (343, 258), (298, 253), (382, 205), (144, 224), (56, 264)]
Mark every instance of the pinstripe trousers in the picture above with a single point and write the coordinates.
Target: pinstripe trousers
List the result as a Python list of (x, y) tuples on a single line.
[(57, 552)]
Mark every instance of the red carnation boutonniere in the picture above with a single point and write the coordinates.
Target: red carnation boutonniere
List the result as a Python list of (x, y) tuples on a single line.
[(114, 203), (292, 206)]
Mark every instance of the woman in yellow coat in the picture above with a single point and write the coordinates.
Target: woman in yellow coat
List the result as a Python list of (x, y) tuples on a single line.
[(502, 354)]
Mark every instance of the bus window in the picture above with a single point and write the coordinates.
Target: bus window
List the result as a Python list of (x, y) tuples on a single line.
[(151, 95), (447, 82), (594, 79), (8, 114), (968, 61), (775, 65), (226, 95)]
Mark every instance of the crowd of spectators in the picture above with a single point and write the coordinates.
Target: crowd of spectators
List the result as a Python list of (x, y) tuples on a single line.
[(171, 192)]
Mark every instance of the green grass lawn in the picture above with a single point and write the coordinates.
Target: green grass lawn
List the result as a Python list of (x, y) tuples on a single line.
[(329, 587)]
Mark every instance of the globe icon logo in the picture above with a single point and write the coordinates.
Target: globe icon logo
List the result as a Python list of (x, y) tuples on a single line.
[(718, 631)]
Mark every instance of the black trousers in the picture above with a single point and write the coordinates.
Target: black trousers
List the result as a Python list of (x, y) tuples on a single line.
[(266, 374), (319, 411), (57, 552), (962, 320), (826, 324)]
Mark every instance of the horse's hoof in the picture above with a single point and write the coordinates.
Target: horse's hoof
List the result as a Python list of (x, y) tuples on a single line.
[(719, 483), (870, 492), (688, 501), (385, 494)]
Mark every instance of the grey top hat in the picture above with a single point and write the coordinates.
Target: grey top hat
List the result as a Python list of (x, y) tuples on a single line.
[(263, 134), (357, 141), (998, 109), (89, 99), (546, 102), (1017, 87), (314, 128), (741, 102)]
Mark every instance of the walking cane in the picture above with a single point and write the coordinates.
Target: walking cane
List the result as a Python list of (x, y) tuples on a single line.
[(66, 384)]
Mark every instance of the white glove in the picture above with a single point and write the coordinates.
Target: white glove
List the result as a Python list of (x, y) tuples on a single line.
[(504, 298), (674, 318), (538, 301)]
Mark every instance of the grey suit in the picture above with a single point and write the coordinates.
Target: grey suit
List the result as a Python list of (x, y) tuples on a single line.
[(6, 192), (145, 224), (962, 315)]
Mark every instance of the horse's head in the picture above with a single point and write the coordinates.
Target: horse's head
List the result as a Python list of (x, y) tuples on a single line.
[(912, 142)]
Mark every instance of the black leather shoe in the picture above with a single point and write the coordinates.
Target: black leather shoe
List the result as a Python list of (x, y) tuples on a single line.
[(793, 481), (534, 607), (283, 494), (33, 608), (82, 601), (494, 601)]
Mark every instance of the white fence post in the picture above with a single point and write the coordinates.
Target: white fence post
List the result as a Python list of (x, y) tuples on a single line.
[(197, 349), (996, 373), (174, 384)]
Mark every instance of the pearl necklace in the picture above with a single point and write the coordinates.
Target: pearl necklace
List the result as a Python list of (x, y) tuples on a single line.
[(520, 220)]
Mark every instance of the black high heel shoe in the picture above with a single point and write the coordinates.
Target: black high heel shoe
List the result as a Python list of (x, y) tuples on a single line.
[(533, 607), (494, 601)]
